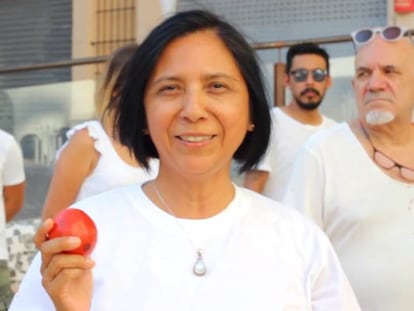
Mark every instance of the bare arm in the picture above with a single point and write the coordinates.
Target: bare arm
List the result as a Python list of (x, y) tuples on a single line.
[(256, 180), (13, 199), (76, 161), (13, 180)]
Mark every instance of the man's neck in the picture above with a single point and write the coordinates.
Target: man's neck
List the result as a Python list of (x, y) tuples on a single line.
[(311, 117)]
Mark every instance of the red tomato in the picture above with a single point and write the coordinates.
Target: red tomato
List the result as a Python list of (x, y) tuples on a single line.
[(74, 222)]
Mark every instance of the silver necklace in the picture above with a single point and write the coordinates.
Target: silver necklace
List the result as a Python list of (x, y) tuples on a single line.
[(199, 267)]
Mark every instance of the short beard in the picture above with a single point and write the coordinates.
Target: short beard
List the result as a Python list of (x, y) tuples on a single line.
[(308, 106), (379, 117)]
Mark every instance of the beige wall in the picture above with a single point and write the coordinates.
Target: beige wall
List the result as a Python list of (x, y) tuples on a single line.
[(150, 13), (405, 19), (83, 84), (83, 30)]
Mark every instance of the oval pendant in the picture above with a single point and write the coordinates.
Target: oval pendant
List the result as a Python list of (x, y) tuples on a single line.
[(199, 268)]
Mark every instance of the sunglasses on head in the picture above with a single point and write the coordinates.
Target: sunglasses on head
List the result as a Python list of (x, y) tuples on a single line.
[(389, 33), (301, 74)]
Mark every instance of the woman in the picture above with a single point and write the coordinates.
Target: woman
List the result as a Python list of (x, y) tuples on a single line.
[(93, 160), (190, 239)]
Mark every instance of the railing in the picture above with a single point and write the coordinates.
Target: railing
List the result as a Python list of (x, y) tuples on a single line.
[(278, 97), (53, 65), (100, 59), (286, 44)]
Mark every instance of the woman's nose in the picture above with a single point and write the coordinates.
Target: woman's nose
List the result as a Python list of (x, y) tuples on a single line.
[(194, 105)]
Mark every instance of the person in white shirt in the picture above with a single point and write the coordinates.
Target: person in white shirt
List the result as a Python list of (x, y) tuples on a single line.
[(93, 160), (356, 180), (12, 183), (307, 77), (190, 239)]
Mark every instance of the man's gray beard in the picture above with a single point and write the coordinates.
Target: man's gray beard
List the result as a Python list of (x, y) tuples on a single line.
[(379, 117)]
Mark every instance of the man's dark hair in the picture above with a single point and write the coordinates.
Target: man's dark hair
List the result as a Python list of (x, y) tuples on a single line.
[(304, 49)]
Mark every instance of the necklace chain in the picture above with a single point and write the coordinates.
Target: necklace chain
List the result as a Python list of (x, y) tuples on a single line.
[(199, 268)]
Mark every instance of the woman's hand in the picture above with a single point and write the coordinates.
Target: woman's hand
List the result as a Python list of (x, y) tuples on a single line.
[(67, 278)]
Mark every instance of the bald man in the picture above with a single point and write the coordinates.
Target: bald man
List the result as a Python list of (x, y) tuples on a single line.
[(356, 180)]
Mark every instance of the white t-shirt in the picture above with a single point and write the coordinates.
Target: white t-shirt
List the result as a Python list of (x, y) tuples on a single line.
[(259, 255), (368, 216), (11, 173), (288, 135), (111, 171)]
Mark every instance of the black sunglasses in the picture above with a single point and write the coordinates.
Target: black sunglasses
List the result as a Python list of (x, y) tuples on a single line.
[(301, 74)]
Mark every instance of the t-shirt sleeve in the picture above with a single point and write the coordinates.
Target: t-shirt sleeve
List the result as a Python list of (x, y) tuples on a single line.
[(330, 287), (265, 163), (95, 132), (13, 170), (327, 286)]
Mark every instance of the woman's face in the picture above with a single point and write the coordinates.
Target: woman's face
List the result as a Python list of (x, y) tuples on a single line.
[(197, 105)]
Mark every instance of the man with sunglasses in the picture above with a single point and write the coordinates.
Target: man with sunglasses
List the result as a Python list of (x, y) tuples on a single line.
[(307, 77), (356, 180)]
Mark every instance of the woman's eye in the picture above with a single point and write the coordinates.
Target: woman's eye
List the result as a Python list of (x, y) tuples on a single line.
[(218, 87), (168, 89)]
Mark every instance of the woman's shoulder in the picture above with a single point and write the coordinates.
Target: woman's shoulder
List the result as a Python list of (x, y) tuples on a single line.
[(92, 127), (82, 138), (92, 133)]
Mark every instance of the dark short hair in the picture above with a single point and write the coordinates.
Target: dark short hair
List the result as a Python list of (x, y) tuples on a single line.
[(303, 49), (131, 119)]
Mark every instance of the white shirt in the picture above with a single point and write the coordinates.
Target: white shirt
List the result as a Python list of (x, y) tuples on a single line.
[(288, 136), (259, 255), (11, 173), (111, 171), (368, 216)]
